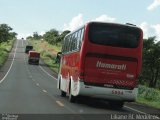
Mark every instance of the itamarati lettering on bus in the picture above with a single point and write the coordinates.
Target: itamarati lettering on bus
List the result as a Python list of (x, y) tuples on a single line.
[(111, 66)]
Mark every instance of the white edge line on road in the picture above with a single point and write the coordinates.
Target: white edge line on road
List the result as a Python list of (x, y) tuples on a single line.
[(47, 73), (60, 103), (10, 65), (135, 110)]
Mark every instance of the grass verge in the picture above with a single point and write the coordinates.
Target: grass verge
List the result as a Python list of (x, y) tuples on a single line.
[(5, 48), (148, 96)]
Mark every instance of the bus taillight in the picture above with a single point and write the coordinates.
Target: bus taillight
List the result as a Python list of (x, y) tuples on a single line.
[(81, 76)]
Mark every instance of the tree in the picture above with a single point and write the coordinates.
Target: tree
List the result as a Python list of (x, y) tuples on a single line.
[(5, 33), (151, 61), (36, 36), (13, 35), (29, 37), (51, 36)]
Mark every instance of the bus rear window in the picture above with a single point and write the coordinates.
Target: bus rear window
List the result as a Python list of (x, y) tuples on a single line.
[(114, 35)]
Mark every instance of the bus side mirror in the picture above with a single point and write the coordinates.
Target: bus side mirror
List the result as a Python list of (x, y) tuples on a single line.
[(58, 57)]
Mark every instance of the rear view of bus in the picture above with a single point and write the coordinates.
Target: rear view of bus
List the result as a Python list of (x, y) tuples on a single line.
[(101, 60), (111, 58)]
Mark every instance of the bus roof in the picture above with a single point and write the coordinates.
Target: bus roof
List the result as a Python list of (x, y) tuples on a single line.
[(119, 24)]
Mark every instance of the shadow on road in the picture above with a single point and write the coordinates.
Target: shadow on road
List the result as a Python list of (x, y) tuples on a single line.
[(96, 103)]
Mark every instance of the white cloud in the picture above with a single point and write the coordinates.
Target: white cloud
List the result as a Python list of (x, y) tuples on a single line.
[(154, 5), (145, 27), (157, 30), (105, 18), (76, 21), (150, 30), (42, 33)]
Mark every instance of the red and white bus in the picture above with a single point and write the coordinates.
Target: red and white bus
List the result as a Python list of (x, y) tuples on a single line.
[(101, 60)]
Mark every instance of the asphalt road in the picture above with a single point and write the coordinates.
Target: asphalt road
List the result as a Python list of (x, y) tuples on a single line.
[(31, 89)]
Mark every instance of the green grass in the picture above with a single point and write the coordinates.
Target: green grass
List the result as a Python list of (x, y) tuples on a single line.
[(154, 104), (48, 53), (149, 96), (5, 48), (50, 63)]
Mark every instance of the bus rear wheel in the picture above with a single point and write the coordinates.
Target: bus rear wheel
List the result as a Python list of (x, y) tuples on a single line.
[(63, 94), (72, 98)]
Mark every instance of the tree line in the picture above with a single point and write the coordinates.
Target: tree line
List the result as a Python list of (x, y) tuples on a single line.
[(6, 33), (52, 36), (150, 74)]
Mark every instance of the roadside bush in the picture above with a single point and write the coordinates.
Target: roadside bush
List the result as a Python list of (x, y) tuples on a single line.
[(149, 94)]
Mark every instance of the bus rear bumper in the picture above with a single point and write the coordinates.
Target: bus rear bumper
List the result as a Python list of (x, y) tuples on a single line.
[(107, 93)]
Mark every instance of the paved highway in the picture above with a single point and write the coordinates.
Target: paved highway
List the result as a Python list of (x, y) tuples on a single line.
[(31, 89)]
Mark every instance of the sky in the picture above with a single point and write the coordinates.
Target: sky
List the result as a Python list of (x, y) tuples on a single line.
[(28, 16)]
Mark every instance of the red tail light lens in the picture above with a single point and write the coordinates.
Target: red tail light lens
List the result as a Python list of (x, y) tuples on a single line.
[(81, 76)]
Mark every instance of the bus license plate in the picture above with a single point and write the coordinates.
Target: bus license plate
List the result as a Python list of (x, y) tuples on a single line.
[(117, 92)]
